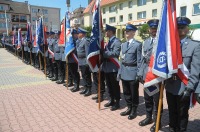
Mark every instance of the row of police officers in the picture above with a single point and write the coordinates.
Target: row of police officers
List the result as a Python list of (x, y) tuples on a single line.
[(134, 61)]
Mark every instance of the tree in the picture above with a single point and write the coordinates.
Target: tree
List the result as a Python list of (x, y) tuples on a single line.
[(144, 31), (89, 29)]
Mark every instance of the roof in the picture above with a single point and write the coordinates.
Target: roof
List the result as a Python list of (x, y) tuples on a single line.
[(89, 7), (79, 9), (103, 3), (107, 2), (16, 7)]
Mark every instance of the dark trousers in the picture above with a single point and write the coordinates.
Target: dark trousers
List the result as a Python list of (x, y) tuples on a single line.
[(178, 111), (95, 81), (51, 67), (73, 70), (70, 77), (86, 75), (61, 71), (131, 93), (55, 69), (152, 102), (113, 85)]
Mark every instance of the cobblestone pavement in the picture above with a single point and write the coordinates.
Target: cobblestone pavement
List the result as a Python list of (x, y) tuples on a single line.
[(30, 102)]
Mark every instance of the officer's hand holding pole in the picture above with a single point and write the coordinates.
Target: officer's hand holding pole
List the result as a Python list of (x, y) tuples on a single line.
[(186, 94)]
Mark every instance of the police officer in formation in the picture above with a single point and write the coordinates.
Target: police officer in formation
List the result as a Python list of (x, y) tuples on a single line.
[(57, 58), (130, 62), (72, 63), (177, 93), (150, 101), (26, 48), (112, 50), (51, 45), (82, 46)]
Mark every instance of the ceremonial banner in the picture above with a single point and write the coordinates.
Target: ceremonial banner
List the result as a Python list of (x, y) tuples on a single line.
[(40, 36), (19, 39)]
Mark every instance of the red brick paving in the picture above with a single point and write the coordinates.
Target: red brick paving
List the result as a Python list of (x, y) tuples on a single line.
[(44, 106)]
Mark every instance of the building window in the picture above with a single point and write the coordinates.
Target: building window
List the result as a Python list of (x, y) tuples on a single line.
[(141, 15), (112, 8), (196, 9), (104, 21), (34, 27), (104, 10), (130, 4), (34, 10), (15, 18), (121, 18), (2, 15), (121, 6), (45, 11), (154, 1), (2, 25), (46, 19), (141, 2), (1, 7), (23, 19), (183, 11), (112, 20), (34, 18), (154, 13), (130, 16)]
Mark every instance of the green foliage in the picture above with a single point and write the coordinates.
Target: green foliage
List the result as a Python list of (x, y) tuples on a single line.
[(89, 29), (144, 31)]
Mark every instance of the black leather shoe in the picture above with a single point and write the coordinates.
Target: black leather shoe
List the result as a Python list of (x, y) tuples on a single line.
[(172, 129), (110, 103), (153, 128), (70, 84), (115, 106), (54, 79), (146, 121), (88, 92), (95, 97), (75, 89), (59, 82), (65, 84), (133, 114), (127, 112), (101, 99), (83, 91)]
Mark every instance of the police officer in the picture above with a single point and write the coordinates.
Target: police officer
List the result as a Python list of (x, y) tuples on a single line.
[(51, 45), (150, 101), (112, 50), (61, 68), (26, 51), (130, 61), (82, 47), (73, 74), (178, 94)]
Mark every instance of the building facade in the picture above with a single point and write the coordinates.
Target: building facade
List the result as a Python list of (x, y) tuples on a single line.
[(190, 9), (77, 16), (51, 17), (13, 15), (120, 12)]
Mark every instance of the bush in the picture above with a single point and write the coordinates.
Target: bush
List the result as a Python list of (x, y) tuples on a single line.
[(144, 31)]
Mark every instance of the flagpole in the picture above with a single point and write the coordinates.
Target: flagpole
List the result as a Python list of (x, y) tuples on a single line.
[(67, 68), (159, 106), (99, 79)]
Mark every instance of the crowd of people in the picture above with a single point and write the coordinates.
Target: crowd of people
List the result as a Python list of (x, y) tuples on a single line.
[(134, 61)]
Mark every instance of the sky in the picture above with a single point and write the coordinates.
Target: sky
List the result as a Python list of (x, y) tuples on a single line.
[(58, 3)]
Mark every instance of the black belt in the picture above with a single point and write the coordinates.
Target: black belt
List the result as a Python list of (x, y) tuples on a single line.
[(81, 57), (129, 64)]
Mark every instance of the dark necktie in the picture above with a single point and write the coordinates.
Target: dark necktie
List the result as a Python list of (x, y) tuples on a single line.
[(127, 45)]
